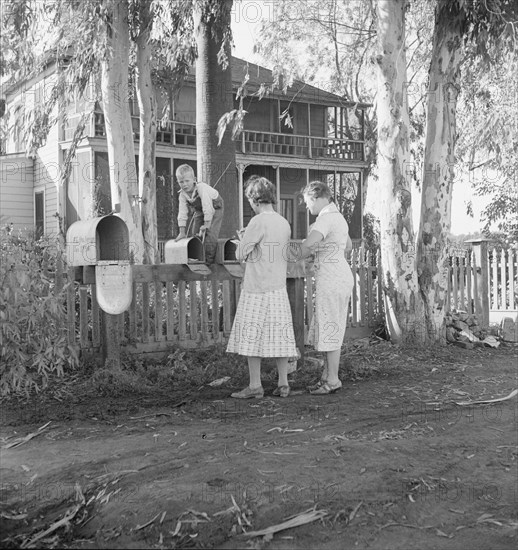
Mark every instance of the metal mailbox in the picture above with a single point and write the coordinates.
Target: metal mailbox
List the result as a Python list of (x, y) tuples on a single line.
[(188, 251), (104, 243), (226, 255), (99, 239)]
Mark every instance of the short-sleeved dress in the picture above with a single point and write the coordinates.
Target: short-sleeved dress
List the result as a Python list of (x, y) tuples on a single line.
[(263, 325), (333, 281)]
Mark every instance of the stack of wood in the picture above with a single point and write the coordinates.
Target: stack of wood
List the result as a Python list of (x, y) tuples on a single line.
[(463, 329)]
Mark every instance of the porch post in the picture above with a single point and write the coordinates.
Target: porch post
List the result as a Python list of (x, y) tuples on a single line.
[(278, 185), (240, 171)]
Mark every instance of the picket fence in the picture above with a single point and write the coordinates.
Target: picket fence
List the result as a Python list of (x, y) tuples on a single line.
[(173, 306)]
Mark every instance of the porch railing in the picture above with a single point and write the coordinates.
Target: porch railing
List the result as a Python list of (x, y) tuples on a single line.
[(183, 134)]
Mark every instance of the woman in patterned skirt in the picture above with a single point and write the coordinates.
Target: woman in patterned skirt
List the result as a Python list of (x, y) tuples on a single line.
[(263, 325), (328, 240)]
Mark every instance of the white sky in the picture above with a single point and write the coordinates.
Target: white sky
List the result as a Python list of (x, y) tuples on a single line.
[(246, 14)]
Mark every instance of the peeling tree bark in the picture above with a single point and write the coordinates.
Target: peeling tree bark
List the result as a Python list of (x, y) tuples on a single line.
[(147, 140), (435, 219), (216, 164), (119, 132), (403, 306)]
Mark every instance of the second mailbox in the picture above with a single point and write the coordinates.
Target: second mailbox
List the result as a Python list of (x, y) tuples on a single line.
[(189, 252), (226, 256)]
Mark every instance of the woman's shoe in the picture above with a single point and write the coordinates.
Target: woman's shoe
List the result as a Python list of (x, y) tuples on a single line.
[(249, 393), (326, 388), (317, 385), (281, 391)]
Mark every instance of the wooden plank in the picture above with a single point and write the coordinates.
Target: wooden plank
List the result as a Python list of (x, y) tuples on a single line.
[(215, 310), (122, 325), (369, 287), (71, 307), (469, 289), (478, 304), (363, 281), (193, 310), (494, 280), (96, 319), (182, 311), (354, 297), (448, 292), (170, 311), (145, 312), (83, 316), (132, 315), (462, 295), (166, 272), (503, 282), (295, 289), (204, 308), (227, 320), (380, 281), (512, 256), (454, 271), (159, 313)]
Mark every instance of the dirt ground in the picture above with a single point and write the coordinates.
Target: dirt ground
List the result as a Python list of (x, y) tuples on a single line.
[(391, 461)]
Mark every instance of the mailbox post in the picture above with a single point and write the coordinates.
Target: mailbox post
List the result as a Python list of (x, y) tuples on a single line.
[(104, 243), (295, 287)]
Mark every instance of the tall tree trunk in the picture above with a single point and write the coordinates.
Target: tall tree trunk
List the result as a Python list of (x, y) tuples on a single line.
[(119, 132), (147, 144), (435, 220), (216, 164), (403, 307)]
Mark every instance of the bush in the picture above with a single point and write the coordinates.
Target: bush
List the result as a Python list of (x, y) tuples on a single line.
[(33, 335)]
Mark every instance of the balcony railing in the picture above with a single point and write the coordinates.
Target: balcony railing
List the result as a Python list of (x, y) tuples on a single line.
[(269, 143), (183, 134)]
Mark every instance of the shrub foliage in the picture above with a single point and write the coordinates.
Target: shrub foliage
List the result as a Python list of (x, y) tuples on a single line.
[(33, 334)]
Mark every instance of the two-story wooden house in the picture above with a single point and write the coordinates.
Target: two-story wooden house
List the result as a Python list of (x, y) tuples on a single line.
[(325, 140)]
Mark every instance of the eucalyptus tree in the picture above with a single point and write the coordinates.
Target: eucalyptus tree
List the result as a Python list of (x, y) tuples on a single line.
[(403, 305), (487, 26), (216, 160)]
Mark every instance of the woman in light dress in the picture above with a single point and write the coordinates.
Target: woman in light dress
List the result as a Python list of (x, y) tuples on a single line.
[(328, 240), (263, 325)]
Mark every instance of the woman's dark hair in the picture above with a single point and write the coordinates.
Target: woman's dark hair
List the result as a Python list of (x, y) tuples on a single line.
[(317, 189), (261, 190)]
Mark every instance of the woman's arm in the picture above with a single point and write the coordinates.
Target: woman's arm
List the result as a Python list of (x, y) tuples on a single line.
[(307, 246), (248, 241)]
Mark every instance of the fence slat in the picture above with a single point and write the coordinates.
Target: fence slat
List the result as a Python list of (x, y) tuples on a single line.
[(494, 281), (469, 290), (462, 274), (83, 316), (193, 310), (145, 312), (227, 320), (215, 310), (170, 310), (182, 311), (132, 316), (503, 283), (204, 311), (369, 286), (354, 269), (512, 254), (455, 277), (159, 314), (71, 307), (96, 320), (363, 312)]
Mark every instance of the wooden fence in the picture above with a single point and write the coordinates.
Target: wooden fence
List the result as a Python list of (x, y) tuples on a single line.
[(173, 306), (483, 279)]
